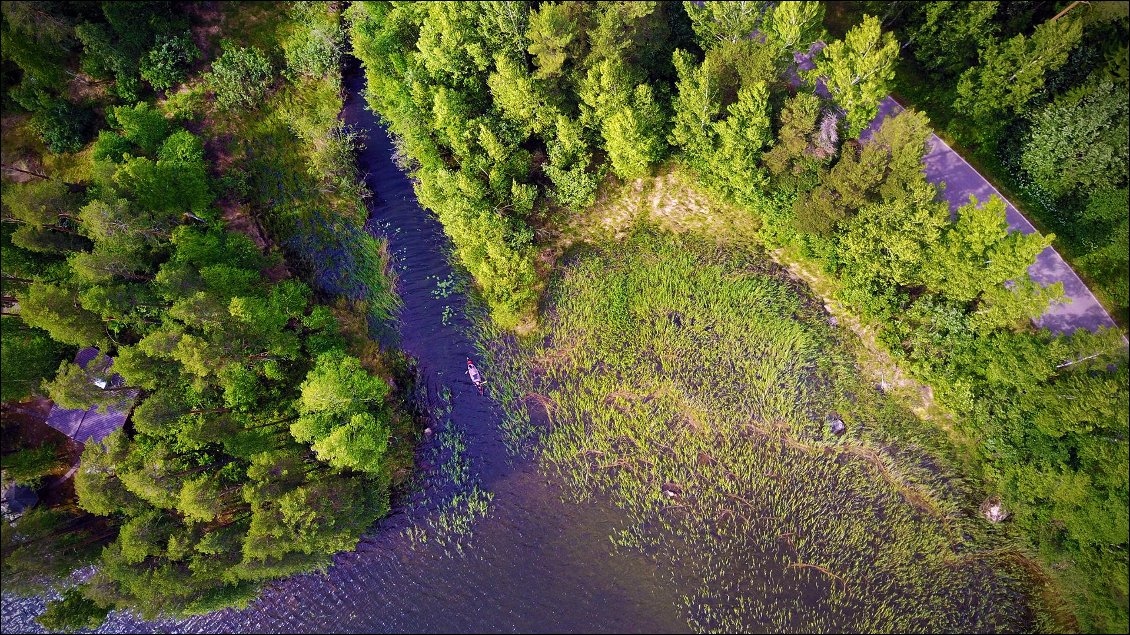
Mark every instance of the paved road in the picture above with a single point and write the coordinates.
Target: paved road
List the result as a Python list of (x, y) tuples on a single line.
[(945, 166)]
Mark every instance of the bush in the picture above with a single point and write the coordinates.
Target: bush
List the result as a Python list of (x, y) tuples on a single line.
[(166, 64), (240, 77), (28, 466), (62, 126), (29, 356), (184, 104), (73, 611), (182, 146), (143, 125), (315, 50)]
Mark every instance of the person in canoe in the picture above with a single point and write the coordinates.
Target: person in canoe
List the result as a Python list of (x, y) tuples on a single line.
[(476, 377)]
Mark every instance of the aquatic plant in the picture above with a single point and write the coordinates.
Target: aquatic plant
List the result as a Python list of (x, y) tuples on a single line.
[(693, 383), (461, 499)]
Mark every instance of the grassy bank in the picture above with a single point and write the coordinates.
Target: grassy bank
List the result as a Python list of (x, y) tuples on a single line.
[(287, 167), (695, 384)]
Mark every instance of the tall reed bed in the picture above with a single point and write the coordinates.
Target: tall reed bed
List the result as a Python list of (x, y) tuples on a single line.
[(694, 384)]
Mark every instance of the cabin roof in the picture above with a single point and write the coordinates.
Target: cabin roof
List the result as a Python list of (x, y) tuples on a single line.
[(83, 425)]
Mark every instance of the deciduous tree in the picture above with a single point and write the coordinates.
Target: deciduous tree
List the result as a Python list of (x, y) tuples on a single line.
[(857, 71)]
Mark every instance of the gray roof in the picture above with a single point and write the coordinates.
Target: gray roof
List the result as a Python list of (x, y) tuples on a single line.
[(83, 425)]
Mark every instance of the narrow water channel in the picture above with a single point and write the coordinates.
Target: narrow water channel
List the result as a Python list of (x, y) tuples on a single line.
[(534, 563)]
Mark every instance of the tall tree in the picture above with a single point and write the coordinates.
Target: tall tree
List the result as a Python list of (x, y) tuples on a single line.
[(555, 37), (29, 356), (1081, 141), (742, 136), (1009, 73), (634, 134), (978, 252), (857, 71), (337, 397), (716, 22), (696, 106), (56, 310), (794, 26), (78, 388), (574, 184)]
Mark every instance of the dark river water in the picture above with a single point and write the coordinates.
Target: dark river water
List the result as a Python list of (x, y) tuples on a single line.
[(533, 563)]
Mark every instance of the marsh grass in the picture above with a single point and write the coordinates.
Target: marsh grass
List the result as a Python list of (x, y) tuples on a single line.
[(693, 382), (461, 498)]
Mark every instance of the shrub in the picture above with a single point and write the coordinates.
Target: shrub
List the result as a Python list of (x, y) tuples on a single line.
[(166, 64), (62, 126), (240, 77), (182, 146), (143, 125), (316, 50)]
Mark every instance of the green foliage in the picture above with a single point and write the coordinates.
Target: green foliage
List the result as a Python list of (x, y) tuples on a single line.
[(336, 398), (795, 153), (857, 72), (1010, 73), (62, 125), (182, 146), (569, 167), (136, 39), (1106, 220), (979, 253), (206, 494), (166, 186), (167, 63), (38, 37), (521, 97), (79, 388), (851, 183), (44, 546), (715, 22), (111, 146), (794, 26), (948, 35), (29, 466), (634, 134), (28, 356), (696, 106), (55, 309), (240, 77), (888, 242), (40, 203), (317, 45), (1080, 141), (742, 137), (72, 612), (554, 36), (143, 125)]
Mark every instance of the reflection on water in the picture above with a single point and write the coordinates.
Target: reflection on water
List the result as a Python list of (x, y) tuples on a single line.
[(533, 564)]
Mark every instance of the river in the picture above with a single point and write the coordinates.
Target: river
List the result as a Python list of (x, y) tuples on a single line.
[(533, 563)]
